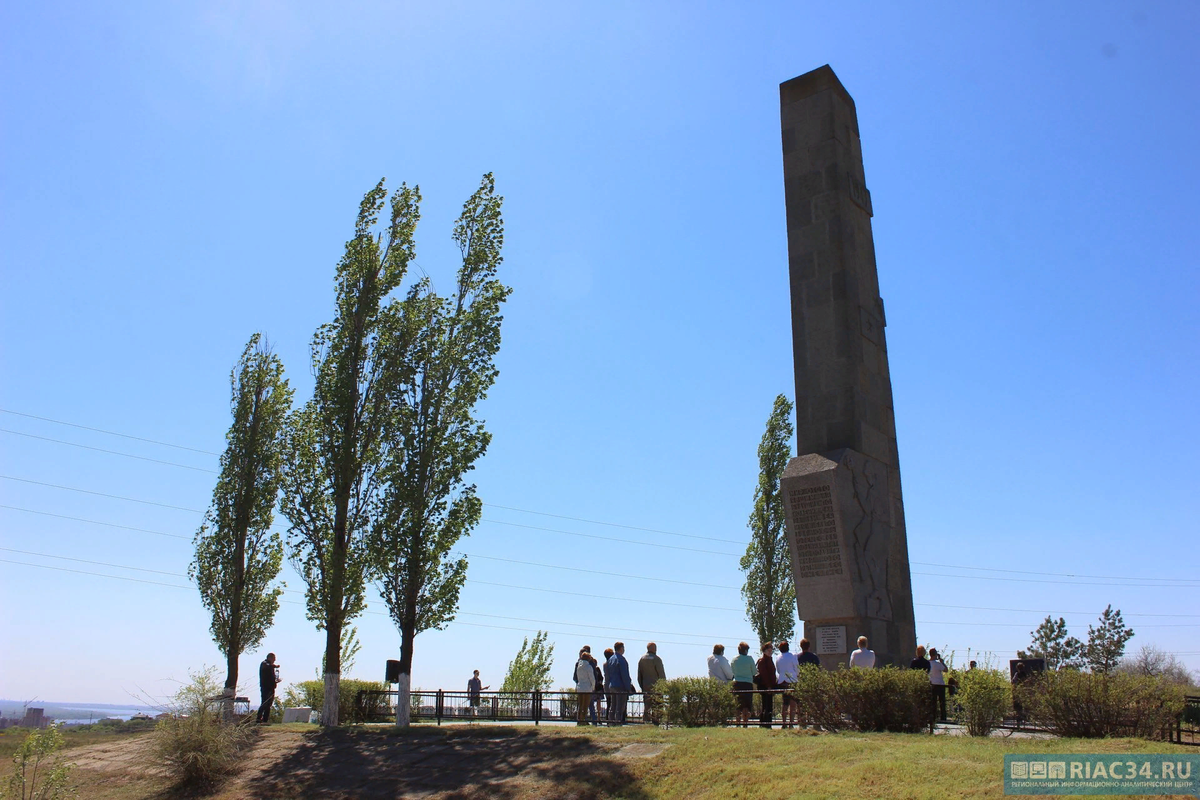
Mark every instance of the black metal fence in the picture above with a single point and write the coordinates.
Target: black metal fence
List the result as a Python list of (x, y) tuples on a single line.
[(535, 707)]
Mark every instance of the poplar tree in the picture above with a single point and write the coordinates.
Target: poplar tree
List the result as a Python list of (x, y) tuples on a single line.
[(769, 590), (331, 479), (237, 556), (442, 353)]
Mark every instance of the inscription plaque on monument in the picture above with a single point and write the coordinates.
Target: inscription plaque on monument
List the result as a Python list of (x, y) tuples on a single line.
[(842, 496), (831, 640), (819, 552)]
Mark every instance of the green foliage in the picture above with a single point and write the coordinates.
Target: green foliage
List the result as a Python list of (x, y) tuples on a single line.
[(886, 699), (769, 591), (34, 776), (335, 442), (985, 696), (1051, 642), (1106, 642), (311, 694), (441, 362), (237, 555), (350, 645), (696, 702), (1093, 705), (530, 669), (197, 746)]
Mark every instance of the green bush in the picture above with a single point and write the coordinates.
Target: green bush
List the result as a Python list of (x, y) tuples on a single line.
[(886, 699), (985, 696), (195, 745), (695, 702), (311, 694), (816, 693), (38, 747), (1087, 705)]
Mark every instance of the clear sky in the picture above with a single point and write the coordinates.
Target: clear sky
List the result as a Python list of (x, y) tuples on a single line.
[(177, 176)]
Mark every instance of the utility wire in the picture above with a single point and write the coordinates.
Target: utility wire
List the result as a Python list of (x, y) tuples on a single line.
[(1043, 611), (599, 572), (110, 452), (296, 602), (95, 522), (616, 524), (93, 563), (1062, 583), (1054, 574), (610, 538), (102, 494), (110, 433)]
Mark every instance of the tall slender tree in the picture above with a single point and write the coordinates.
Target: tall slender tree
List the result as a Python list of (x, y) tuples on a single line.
[(443, 356), (769, 590), (237, 557), (1106, 641), (335, 441)]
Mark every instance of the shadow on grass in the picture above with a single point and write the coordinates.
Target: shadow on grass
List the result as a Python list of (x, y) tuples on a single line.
[(461, 762)]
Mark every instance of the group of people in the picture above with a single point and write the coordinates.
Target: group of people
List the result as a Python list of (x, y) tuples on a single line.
[(769, 675), (606, 689), (603, 686)]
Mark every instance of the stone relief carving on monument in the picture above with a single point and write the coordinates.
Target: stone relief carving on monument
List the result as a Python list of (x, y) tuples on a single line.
[(869, 534)]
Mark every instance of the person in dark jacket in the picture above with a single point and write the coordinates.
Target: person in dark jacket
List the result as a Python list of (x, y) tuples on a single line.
[(618, 682), (764, 677), (268, 679), (608, 699)]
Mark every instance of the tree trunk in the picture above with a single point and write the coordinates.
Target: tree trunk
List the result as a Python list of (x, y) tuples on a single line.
[(407, 634), (329, 709), (404, 701), (231, 676)]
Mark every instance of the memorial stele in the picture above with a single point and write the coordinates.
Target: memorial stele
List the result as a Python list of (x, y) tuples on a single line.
[(845, 513)]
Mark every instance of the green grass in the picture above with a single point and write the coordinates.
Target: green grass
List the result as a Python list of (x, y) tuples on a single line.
[(587, 762)]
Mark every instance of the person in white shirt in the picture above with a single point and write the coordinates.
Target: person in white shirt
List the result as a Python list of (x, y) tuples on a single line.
[(937, 680), (718, 665), (787, 672), (862, 657), (585, 684)]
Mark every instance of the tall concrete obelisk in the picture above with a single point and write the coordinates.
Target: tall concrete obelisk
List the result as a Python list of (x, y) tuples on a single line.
[(845, 513)]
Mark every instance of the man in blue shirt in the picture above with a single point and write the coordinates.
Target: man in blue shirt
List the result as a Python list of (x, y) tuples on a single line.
[(619, 682)]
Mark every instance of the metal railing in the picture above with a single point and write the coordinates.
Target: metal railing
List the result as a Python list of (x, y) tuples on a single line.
[(536, 707)]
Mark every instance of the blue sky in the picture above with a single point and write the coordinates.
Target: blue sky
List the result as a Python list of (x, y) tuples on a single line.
[(174, 177)]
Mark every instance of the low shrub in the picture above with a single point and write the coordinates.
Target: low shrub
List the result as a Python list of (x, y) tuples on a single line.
[(695, 702), (886, 699), (37, 748), (195, 745), (1087, 705), (985, 696), (311, 694)]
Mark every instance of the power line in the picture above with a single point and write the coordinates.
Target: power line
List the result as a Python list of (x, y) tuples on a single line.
[(102, 494), (97, 574), (94, 522), (1055, 574), (607, 598), (610, 538), (1061, 583), (110, 433), (1184, 581), (600, 627), (599, 572), (93, 563), (1043, 611), (616, 524), (110, 452), (294, 602)]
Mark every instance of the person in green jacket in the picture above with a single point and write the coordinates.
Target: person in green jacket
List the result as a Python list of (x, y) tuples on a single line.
[(743, 683)]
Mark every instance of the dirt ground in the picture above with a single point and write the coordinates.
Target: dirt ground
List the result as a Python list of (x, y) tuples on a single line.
[(450, 762)]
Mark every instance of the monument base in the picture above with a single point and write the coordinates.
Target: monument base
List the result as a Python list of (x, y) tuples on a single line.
[(849, 557)]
